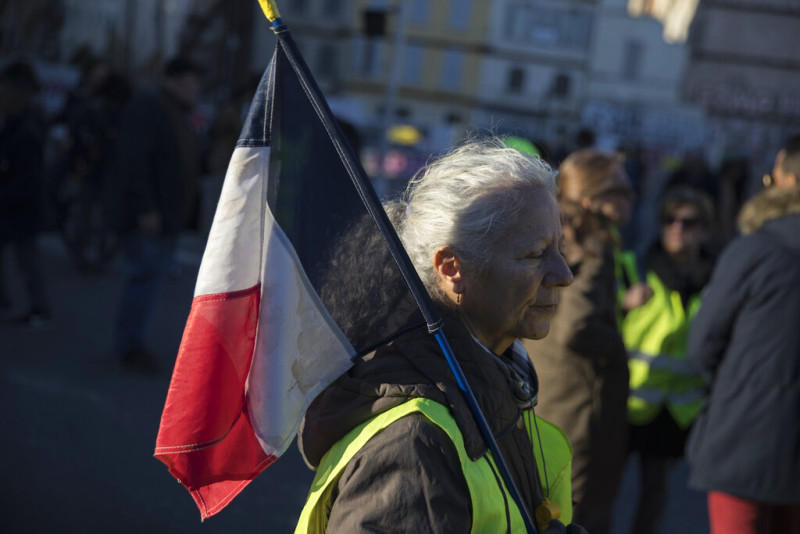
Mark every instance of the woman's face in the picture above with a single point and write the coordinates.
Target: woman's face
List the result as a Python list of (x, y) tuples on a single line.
[(516, 295)]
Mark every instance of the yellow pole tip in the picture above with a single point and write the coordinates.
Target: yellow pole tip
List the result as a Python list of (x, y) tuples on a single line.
[(270, 9)]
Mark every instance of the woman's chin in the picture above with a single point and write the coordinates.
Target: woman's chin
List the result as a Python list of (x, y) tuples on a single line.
[(538, 331)]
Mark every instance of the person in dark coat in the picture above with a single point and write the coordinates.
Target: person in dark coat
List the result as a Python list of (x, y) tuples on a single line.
[(91, 117), (155, 196), (21, 182), (744, 449)]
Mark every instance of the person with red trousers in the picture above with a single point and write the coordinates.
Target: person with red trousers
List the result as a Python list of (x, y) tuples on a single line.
[(744, 449)]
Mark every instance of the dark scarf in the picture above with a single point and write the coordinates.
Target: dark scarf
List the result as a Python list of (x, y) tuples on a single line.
[(686, 279)]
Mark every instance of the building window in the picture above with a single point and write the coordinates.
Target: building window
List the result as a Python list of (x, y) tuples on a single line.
[(516, 80), (460, 12), (452, 69), (548, 27), (412, 64), (367, 52), (561, 86), (632, 60)]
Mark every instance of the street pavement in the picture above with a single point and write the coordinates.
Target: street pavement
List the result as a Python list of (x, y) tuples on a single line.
[(79, 431)]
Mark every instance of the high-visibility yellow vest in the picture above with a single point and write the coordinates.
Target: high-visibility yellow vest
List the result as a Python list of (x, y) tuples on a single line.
[(488, 494), (656, 336)]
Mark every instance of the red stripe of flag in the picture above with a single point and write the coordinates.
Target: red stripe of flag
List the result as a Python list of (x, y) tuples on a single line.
[(206, 440)]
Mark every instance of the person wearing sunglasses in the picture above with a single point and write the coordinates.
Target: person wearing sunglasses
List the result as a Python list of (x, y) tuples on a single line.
[(666, 393), (744, 449)]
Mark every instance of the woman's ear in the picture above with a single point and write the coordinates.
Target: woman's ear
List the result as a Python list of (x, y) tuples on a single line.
[(449, 269)]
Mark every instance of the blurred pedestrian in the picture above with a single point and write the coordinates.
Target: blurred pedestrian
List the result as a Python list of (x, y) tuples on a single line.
[(155, 185), (733, 178), (744, 449), (666, 393), (582, 364), (22, 135), (781, 177), (91, 117)]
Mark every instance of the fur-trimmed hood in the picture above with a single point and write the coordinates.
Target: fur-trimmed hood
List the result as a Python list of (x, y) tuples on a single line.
[(770, 204)]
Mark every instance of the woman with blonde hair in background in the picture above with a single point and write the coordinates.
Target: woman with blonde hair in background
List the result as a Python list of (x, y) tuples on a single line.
[(582, 363)]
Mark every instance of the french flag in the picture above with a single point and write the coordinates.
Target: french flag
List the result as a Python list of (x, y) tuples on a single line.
[(298, 279)]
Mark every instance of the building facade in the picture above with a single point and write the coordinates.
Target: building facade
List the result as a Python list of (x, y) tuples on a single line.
[(634, 85), (744, 71), (445, 68)]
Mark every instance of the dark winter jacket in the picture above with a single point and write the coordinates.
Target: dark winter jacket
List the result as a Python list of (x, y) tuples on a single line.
[(21, 177), (157, 163), (746, 342), (408, 478), (583, 371)]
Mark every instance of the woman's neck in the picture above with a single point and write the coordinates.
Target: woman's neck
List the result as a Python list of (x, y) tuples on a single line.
[(497, 345)]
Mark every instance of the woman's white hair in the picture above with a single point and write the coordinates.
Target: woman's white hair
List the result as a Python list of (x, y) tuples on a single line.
[(466, 200)]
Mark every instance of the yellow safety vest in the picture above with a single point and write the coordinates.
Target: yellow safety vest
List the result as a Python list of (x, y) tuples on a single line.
[(488, 498), (656, 336)]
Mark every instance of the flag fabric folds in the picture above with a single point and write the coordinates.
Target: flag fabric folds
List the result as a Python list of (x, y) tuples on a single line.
[(298, 278)]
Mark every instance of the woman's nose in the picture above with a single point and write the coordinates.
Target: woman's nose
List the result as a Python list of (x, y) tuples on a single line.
[(560, 274)]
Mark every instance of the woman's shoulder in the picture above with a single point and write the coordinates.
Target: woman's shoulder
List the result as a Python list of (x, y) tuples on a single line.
[(408, 465), (747, 252)]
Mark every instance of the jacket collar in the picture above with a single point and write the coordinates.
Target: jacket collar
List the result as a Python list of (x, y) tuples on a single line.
[(486, 377), (768, 205)]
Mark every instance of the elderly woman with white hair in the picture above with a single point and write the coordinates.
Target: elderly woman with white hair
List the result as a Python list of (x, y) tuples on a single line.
[(393, 441)]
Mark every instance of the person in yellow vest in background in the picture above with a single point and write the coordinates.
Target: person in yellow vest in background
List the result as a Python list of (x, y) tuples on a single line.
[(393, 442), (666, 392)]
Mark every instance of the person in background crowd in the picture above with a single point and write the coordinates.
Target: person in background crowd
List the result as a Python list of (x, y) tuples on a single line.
[(582, 364), (744, 449), (21, 183), (91, 116), (393, 441), (781, 177), (733, 178), (155, 187), (666, 393)]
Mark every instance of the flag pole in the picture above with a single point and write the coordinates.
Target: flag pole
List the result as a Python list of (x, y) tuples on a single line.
[(412, 279)]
